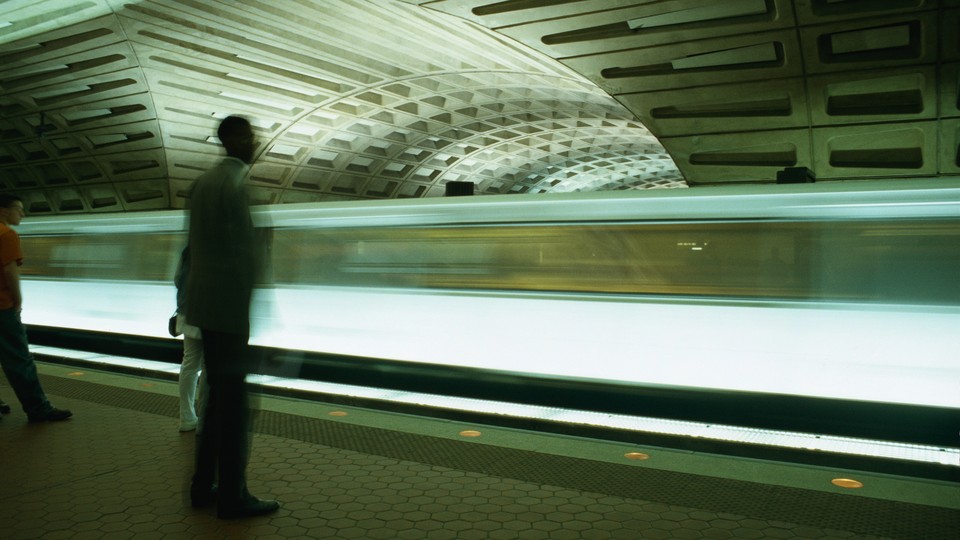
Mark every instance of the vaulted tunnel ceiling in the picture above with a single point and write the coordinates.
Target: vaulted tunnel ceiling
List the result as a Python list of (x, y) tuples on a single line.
[(111, 105)]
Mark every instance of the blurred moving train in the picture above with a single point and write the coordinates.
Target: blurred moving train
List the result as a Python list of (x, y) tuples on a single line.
[(830, 308)]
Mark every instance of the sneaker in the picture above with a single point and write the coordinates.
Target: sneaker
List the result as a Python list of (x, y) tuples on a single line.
[(53, 415), (188, 426)]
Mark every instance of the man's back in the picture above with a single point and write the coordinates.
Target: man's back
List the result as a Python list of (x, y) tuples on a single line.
[(223, 255)]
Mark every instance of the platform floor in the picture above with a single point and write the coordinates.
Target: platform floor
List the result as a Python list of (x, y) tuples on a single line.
[(119, 469)]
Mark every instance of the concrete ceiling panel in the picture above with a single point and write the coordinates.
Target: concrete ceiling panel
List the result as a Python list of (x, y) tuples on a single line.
[(649, 25), (728, 108), (870, 151), (750, 57), (872, 43), (813, 12), (754, 156), (887, 95)]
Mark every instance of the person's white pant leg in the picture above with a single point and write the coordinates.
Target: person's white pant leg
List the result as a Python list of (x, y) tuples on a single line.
[(190, 369)]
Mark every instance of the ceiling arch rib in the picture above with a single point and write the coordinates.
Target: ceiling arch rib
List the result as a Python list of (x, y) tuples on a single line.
[(112, 111)]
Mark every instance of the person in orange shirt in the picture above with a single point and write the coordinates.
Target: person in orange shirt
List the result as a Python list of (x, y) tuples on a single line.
[(15, 357)]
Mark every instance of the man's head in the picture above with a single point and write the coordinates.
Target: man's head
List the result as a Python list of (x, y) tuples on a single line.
[(237, 137), (11, 209)]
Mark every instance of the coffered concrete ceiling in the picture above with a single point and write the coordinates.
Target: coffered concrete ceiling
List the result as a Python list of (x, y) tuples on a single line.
[(111, 105)]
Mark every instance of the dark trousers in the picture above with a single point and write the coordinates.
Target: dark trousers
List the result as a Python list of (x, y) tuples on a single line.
[(223, 444), (18, 364)]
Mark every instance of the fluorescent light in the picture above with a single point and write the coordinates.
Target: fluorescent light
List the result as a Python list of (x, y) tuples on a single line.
[(871, 39), (701, 14), (84, 114), (276, 84), (43, 69), (107, 138), (60, 91), (259, 101), (764, 52)]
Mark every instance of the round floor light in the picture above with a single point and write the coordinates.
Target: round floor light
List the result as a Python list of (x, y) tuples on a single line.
[(847, 483)]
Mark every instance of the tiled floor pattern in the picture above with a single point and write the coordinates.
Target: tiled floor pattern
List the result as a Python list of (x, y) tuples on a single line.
[(119, 469)]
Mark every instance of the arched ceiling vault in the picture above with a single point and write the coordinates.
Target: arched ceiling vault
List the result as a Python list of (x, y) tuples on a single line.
[(111, 105), (115, 105), (738, 89)]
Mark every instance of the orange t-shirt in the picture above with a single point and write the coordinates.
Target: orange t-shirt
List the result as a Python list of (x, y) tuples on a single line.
[(9, 252)]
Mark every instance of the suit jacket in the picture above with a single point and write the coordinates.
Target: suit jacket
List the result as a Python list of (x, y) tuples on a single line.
[(224, 262)]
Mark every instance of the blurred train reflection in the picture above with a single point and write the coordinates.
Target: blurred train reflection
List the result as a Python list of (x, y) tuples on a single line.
[(844, 291)]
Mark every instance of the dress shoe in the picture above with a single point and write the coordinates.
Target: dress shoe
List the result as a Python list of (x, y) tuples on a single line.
[(249, 507), (203, 497), (53, 415), (4, 408)]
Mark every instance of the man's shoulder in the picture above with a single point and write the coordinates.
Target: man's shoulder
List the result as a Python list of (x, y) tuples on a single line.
[(213, 172), (211, 177), (227, 170)]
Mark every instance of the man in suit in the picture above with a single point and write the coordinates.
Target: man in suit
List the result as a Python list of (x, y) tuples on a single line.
[(224, 266)]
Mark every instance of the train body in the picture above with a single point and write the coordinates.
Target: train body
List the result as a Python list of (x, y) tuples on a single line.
[(843, 291)]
